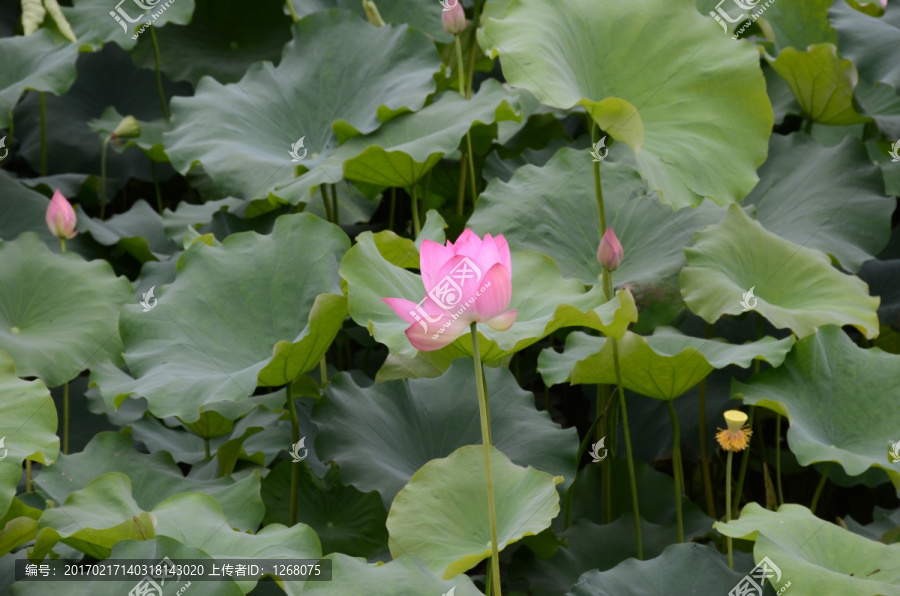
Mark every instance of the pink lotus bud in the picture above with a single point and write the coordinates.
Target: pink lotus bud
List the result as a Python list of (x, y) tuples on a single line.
[(454, 18), (610, 252), (469, 281), (60, 217)]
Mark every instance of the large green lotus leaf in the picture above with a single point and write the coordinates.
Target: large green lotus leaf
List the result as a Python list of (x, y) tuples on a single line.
[(345, 519), (57, 312), (804, 184), (155, 477), (840, 400), (441, 515), (795, 287), (401, 151), (867, 41), (39, 61), (821, 82), (22, 210), (545, 302), (139, 231), (28, 426), (338, 77), (818, 555), (92, 23), (253, 311), (217, 44), (577, 53), (663, 365), (95, 518), (406, 575), (882, 103), (680, 569), (552, 209), (382, 434), (187, 215)]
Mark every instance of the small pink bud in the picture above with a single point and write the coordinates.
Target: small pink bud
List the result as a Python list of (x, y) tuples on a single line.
[(454, 19), (610, 252), (60, 217)]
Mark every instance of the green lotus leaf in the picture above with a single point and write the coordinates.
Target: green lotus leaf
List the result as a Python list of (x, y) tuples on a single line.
[(795, 287), (27, 427), (838, 399), (250, 312), (39, 62), (821, 82), (382, 434), (22, 210), (797, 24), (57, 312), (441, 515), (545, 302), (93, 24), (663, 365), (882, 103), (406, 575), (818, 555), (576, 53), (95, 518), (139, 231), (532, 212), (803, 185), (863, 39), (154, 476), (345, 519), (187, 215), (335, 61), (680, 569)]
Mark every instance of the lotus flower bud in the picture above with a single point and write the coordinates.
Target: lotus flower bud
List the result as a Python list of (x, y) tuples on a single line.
[(454, 19), (610, 252), (128, 128), (372, 13), (60, 217)]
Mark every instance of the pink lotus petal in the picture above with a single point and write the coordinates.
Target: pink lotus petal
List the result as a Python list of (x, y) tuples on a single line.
[(494, 291), (405, 309), (503, 322), (503, 251), (435, 338), (468, 244), (432, 257), (60, 217)]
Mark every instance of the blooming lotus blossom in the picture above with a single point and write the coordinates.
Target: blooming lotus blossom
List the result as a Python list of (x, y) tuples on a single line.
[(60, 217), (454, 20), (610, 251), (466, 282)]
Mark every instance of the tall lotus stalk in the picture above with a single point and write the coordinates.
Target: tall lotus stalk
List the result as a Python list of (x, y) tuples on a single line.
[(466, 283), (610, 254), (454, 21), (735, 438)]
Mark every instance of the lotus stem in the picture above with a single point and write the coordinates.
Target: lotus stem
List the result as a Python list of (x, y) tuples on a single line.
[(462, 91), (631, 475), (393, 208), (417, 227), (66, 418), (778, 457), (323, 371), (103, 176), (461, 194), (159, 85), (728, 508), (206, 450), (334, 202), (159, 204), (677, 468), (818, 493), (295, 437), (28, 487), (329, 214), (704, 453), (43, 133), (290, 6), (743, 473), (486, 444)]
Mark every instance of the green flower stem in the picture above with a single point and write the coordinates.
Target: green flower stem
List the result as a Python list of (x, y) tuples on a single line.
[(329, 214), (323, 371), (290, 6), (486, 443), (631, 476), (66, 418), (28, 487), (728, 508), (743, 473), (159, 204), (103, 176), (206, 448), (159, 85), (778, 457), (43, 133), (295, 436), (677, 469), (417, 227), (818, 493), (334, 202), (704, 452), (393, 208), (461, 195), (462, 91)]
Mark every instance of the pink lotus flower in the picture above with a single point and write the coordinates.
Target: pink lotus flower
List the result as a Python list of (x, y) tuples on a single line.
[(610, 251), (454, 19), (60, 217), (466, 282)]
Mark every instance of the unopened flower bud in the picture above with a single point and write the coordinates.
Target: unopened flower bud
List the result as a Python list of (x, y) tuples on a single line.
[(610, 252)]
